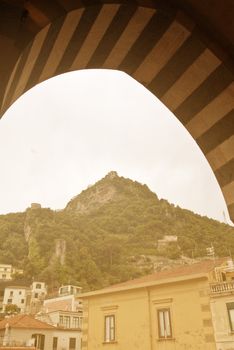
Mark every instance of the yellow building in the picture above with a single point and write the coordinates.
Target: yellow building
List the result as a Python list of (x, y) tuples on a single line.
[(168, 310), (222, 306)]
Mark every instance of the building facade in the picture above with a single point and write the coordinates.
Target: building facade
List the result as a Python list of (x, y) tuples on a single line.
[(164, 311), (17, 295), (222, 307), (24, 330)]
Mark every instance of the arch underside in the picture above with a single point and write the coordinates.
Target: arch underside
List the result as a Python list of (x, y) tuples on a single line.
[(160, 46)]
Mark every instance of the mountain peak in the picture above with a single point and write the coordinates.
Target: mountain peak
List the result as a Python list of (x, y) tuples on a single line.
[(111, 188), (111, 175)]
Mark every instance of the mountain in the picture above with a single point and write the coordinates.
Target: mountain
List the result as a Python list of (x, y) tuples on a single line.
[(107, 234)]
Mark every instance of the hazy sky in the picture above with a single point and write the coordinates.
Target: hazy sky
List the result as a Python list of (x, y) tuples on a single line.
[(70, 131)]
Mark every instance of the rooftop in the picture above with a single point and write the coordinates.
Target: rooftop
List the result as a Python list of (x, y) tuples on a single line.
[(200, 269), (24, 321)]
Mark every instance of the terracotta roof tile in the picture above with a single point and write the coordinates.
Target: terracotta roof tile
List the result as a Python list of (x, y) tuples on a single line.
[(24, 321)]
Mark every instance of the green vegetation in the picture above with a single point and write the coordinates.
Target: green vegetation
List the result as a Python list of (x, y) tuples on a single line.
[(106, 229)]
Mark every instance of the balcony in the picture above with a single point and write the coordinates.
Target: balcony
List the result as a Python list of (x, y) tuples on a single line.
[(222, 288)]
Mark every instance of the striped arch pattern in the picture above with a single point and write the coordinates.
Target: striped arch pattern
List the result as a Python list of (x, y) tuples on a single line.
[(160, 47)]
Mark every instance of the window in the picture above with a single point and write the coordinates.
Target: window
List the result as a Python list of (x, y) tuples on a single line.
[(76, 322), (9, 301), (22, 301), (38, 286), (36, 295), (164, 323), (11, 293), (55, 343), (64, 321), (230, 308), (4, 276), (72, 343), (109, 328), (20, 292), (39, 341)]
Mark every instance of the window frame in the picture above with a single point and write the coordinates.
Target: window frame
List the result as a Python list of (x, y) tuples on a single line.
[(39, 340), (72, 346), (230, 306), (55, 343), (163, 311), (108, 336)]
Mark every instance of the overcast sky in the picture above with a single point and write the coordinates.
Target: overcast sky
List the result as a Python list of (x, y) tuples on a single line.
[(70, 131)]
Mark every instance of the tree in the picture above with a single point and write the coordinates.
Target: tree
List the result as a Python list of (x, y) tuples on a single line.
[(12, 309)]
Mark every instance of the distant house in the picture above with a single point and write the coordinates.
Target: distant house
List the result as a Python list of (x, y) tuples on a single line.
[(24, 330), (38, 294), (64, 311), (7, 272), (69, 290), (167, 239), (62, 319), (17, 295), (162, 311), (27, 299), (66, 300)]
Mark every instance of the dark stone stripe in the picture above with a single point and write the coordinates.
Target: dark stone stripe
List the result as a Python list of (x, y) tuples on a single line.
[(225, 174), (87, 20), (111, 36), (231, 211), (189, 51), (150, 35), (217, 134), (17, 76), (44, 53), (217, 81)]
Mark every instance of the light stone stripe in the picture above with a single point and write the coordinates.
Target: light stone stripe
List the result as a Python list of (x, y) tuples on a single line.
[(36, 14), (166, 47), (31, 60), (10, 81), (221, 154), (212, 113), (192, 78), (94, 36), (228, 192), (129, 36), (70, 23)]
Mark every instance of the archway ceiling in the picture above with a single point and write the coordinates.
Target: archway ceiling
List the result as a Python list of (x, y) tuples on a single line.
[(181, 50)]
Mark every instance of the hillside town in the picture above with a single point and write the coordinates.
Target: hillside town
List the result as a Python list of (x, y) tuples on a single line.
[(190, 305)]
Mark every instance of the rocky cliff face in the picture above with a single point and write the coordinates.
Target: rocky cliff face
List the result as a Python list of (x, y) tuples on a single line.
[(95, 196)]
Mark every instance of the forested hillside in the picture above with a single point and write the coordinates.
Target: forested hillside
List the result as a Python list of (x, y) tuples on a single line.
[(103, 233)]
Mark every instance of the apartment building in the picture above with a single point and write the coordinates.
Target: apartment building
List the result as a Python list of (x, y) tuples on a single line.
[(164, 311)]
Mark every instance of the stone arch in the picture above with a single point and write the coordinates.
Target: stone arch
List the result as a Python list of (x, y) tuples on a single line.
[(162, 46)]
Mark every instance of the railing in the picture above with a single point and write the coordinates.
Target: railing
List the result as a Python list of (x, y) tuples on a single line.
[(222, 287)]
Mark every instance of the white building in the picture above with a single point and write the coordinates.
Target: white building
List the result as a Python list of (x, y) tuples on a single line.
[(38, 290), (62, 319), (38, 294), (6, 272), (69, 290), (62, 303), (24, 330), (17, 295)]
